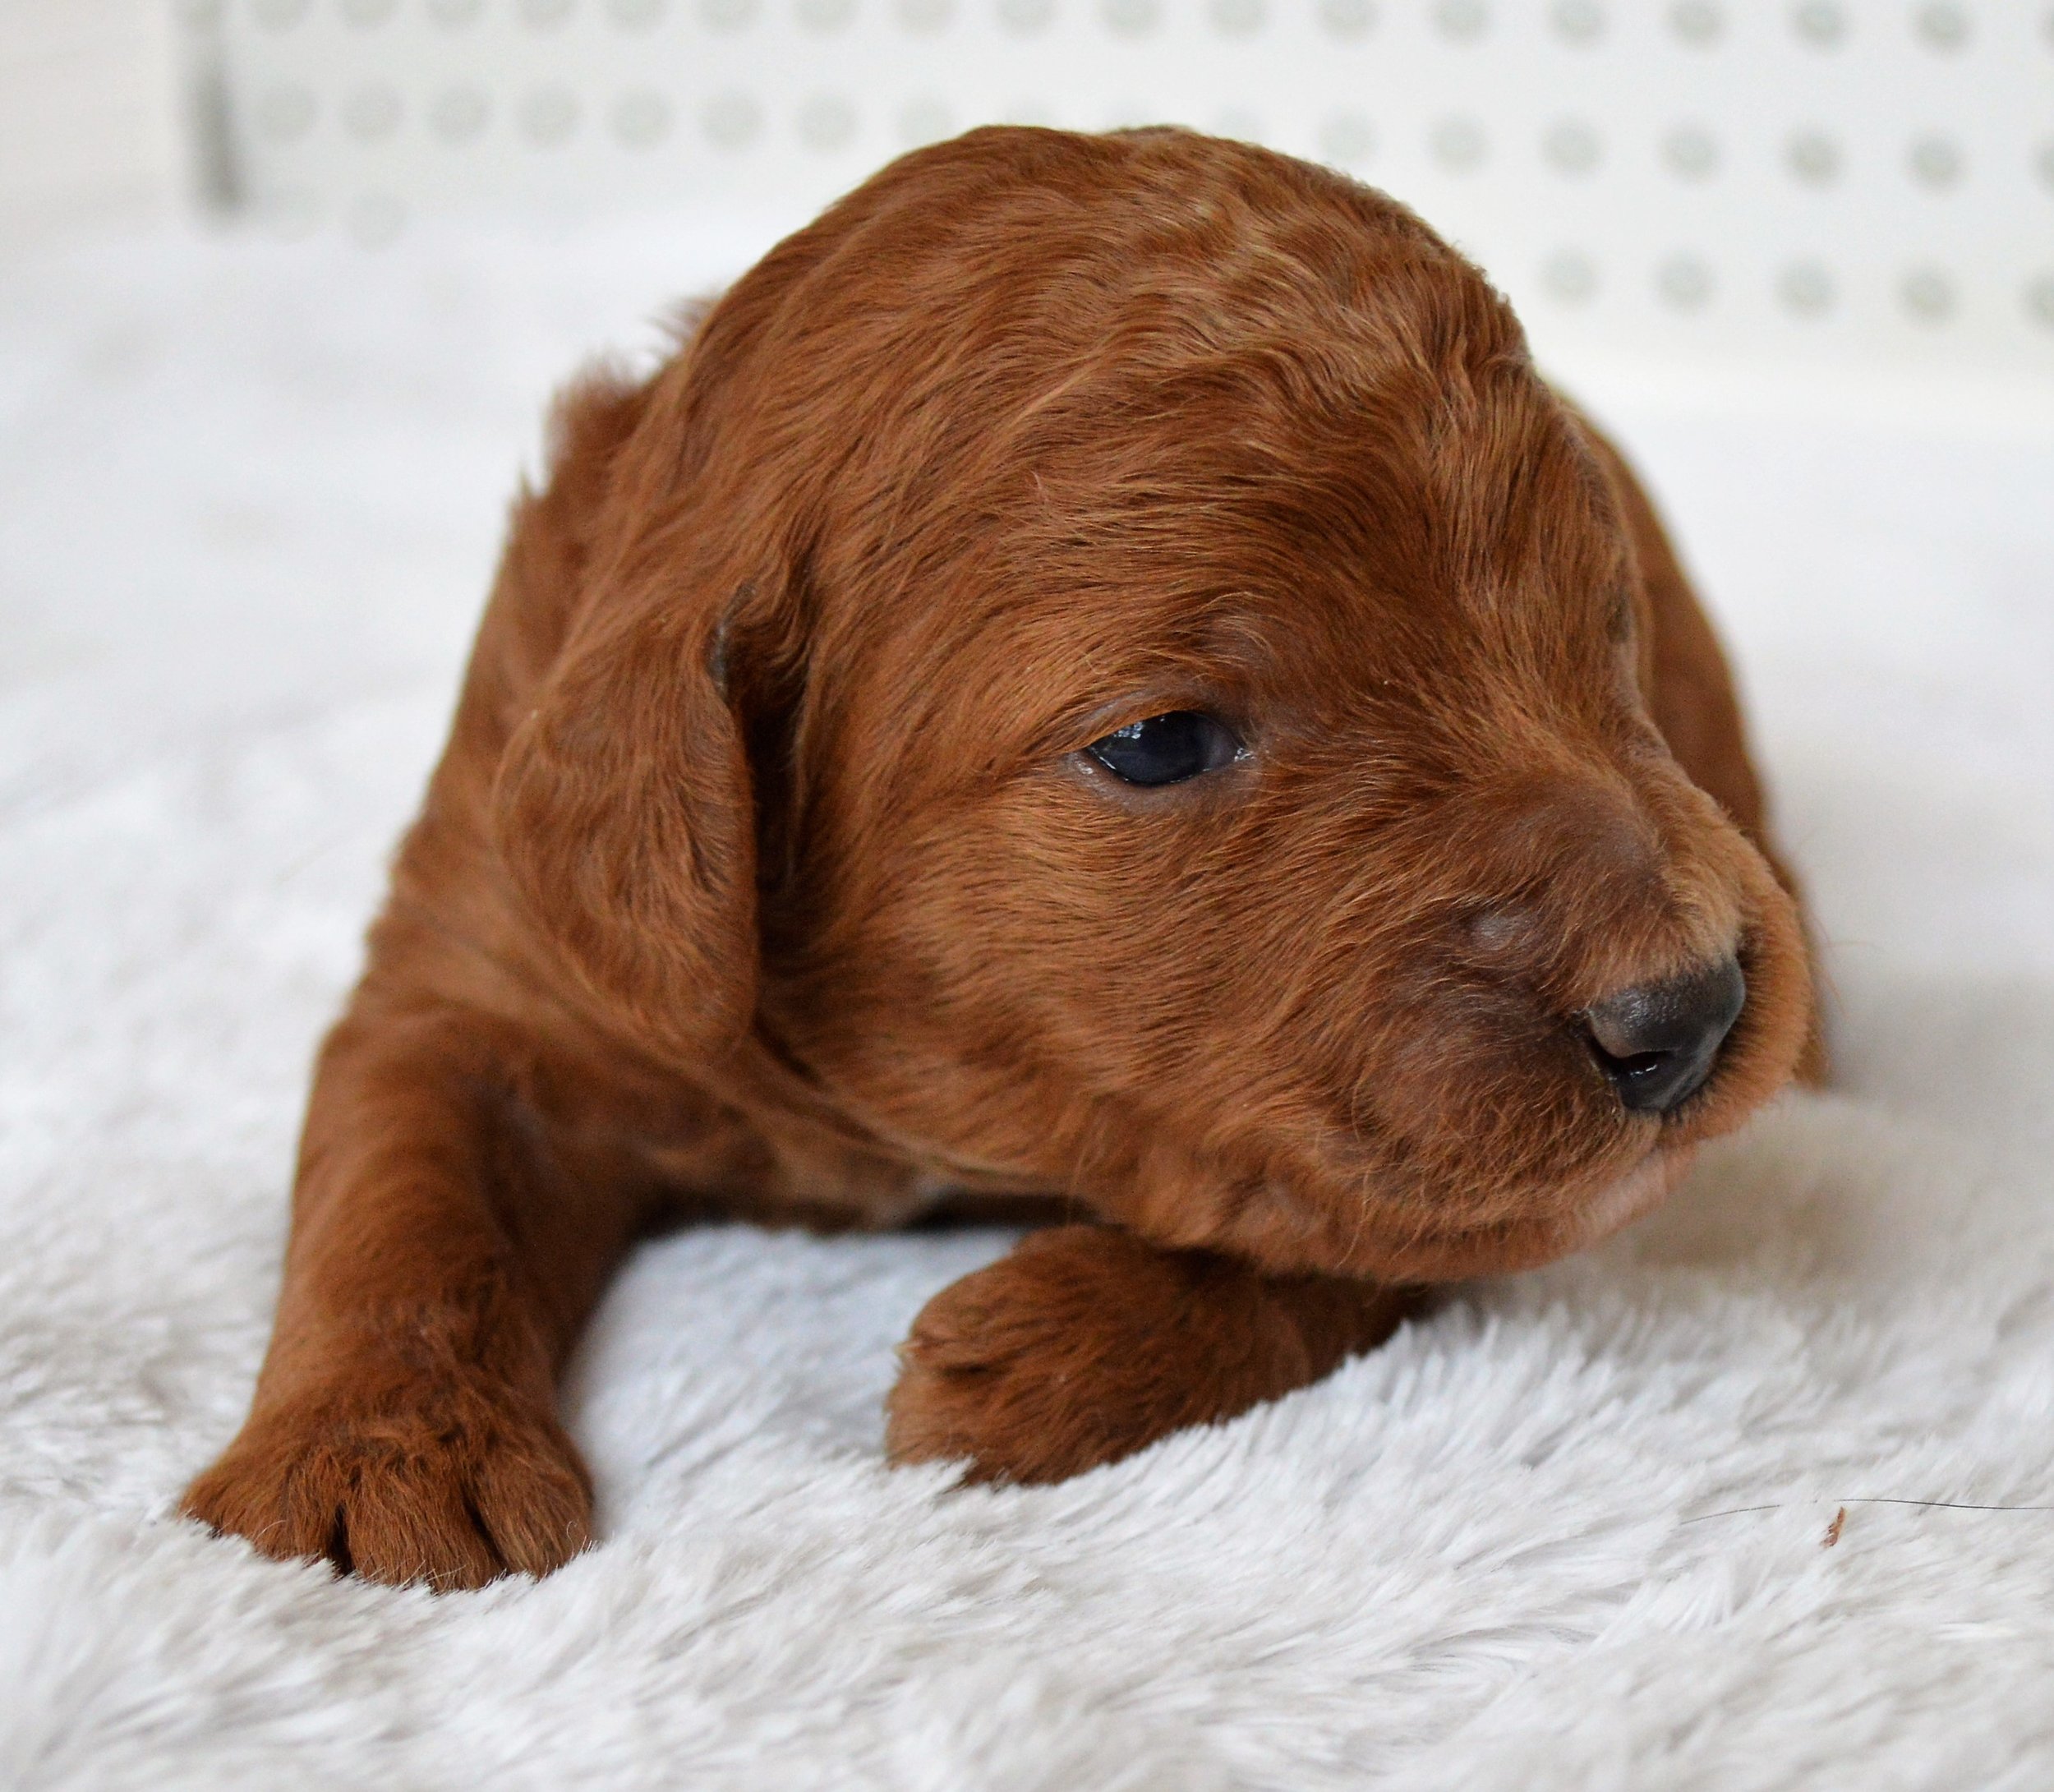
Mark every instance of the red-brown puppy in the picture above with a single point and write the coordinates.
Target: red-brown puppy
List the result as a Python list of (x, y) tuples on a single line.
[(1098, 671)]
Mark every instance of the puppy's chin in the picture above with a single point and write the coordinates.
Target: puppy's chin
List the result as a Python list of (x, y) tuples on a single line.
[(1554, 1223), (1634, 1196), (1579, 1221)]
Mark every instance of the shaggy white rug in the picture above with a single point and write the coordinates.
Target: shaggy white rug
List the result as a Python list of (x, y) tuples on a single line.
[(1571, 1532)]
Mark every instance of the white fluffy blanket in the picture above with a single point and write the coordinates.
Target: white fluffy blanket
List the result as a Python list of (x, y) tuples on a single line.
[(1573, 1531)]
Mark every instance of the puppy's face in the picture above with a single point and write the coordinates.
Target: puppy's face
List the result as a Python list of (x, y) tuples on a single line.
[(1202, 759), (1253, 843)]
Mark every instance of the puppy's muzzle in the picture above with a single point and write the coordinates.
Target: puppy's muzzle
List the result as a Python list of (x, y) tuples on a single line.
[(1657, 1043)]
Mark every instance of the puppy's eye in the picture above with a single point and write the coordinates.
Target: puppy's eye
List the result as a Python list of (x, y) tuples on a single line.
[(1165, 749)]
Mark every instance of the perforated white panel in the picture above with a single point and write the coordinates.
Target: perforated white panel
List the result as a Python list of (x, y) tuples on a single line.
[(1812, 181)]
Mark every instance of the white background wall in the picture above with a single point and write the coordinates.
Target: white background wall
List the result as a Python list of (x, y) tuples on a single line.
[(88, 129), (1849, 185)]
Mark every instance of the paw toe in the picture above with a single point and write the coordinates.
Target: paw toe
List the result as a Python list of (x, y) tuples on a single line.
[(433, 1505)]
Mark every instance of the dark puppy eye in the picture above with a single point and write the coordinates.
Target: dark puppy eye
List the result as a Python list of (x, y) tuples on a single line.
[(1165, 749)]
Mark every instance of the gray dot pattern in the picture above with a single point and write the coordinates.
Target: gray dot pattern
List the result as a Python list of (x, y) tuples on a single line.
[(1569, 276), (1464, 21), (1684, 282), (1027, 16), (1766, 179), (1934, 161), (547, 117), (1572, 147), (457, 114), (1928, 295), (1459, 145), (1813, 157), (1348, 139), (641, 117), (924, 119), (1237, 18), (1942, 26), (1805, 289), (733, 121), (1691, 153), (1698, 23), (1821, 24), (826, 122), (1577, 22)]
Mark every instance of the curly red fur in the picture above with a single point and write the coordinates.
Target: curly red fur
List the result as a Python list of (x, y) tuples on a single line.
[(764, 868)]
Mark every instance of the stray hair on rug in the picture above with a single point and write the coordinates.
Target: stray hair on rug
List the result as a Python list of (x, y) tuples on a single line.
[(1858, 1499)]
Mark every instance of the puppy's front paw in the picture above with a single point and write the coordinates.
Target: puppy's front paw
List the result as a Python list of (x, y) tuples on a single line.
[(1087, 1344), (451, 1484)]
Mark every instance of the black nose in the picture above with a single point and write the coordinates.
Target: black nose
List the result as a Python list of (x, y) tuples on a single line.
[(1658, 1042)]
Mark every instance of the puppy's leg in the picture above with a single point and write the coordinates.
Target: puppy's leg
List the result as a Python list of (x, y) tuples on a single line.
[(443, 1256), (1086, 1344)]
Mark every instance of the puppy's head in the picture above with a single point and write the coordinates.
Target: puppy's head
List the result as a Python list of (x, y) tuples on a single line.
[(1104, 662)]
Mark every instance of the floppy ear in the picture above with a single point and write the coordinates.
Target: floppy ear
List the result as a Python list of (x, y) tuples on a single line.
[(624, 810)]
